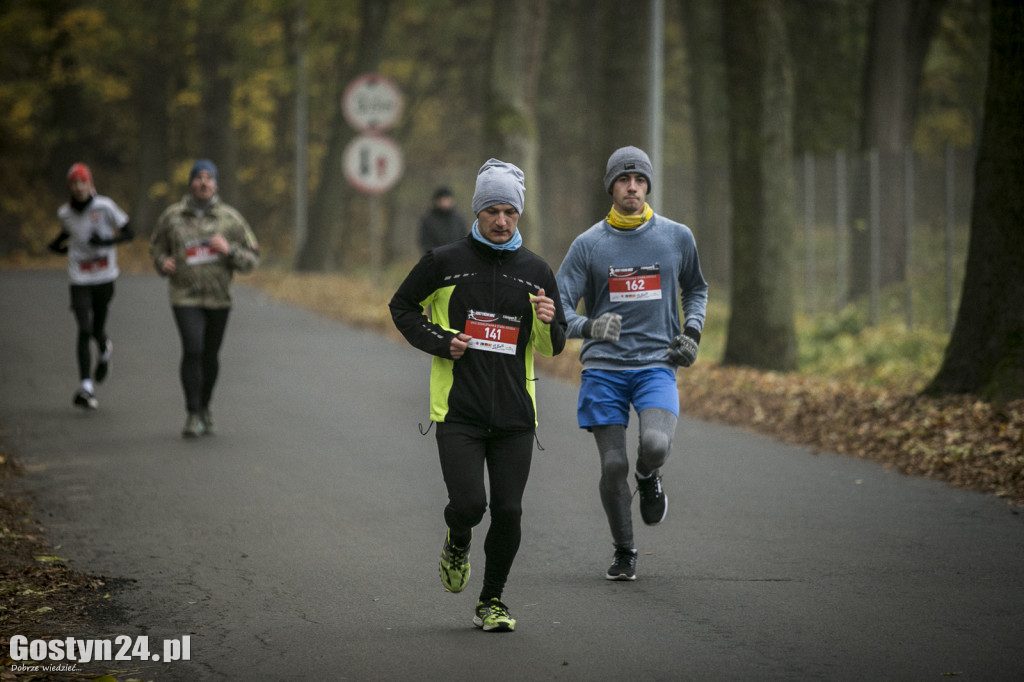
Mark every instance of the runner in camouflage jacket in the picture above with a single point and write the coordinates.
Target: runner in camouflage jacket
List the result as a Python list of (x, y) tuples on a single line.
[(202, 277), (198, 244)]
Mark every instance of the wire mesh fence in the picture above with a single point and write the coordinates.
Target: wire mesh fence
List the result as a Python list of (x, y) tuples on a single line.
[(888, 229)]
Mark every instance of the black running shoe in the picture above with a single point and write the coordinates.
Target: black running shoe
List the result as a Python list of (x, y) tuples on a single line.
[(653, 500), (623, 565)]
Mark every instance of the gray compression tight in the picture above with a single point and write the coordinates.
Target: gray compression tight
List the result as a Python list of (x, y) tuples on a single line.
[(657, 427)]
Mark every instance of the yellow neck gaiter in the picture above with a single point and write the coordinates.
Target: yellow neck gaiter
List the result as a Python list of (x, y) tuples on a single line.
[(629, 222)]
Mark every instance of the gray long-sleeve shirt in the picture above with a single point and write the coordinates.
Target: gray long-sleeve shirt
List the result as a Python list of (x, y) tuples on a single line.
[(641, 274)]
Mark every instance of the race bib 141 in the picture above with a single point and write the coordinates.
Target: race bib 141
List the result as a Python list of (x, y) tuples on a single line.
[(493, 333)]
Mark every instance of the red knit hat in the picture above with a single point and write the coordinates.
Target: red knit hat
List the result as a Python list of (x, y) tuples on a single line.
[(79, 171)]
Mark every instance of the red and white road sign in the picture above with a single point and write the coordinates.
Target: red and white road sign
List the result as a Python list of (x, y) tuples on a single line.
[(371, 103), (372, 163)]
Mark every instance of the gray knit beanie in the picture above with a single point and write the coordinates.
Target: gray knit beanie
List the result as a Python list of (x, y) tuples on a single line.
[(628, 160), (498, 182)]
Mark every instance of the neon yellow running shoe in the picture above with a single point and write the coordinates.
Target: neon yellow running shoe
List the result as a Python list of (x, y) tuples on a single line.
[(493, 617), (454, 565)]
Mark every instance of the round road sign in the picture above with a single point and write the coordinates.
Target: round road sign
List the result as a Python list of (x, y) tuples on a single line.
[(372, 163), (371, 103)]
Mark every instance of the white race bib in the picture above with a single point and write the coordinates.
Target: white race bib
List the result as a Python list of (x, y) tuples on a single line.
[(199, 252)]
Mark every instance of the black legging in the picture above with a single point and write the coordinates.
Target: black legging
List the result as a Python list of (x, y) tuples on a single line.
[(90, 303), (202, 332), (463, 451)]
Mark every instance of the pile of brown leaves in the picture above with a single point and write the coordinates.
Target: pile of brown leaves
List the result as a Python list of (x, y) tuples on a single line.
[(40, 594), (958, 439)]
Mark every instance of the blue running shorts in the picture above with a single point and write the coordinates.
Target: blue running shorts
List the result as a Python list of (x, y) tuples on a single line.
[(605, 395)]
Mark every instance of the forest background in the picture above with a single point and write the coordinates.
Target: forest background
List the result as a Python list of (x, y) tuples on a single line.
[(751, 89), (140, 91)]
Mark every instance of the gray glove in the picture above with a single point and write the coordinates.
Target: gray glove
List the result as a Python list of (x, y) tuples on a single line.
[(682, 352), (605, 328)]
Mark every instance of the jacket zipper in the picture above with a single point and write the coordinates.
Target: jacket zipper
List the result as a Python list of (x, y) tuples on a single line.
[(493, 356)]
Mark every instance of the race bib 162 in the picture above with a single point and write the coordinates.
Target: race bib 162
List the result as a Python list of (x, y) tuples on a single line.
[(634, 284)]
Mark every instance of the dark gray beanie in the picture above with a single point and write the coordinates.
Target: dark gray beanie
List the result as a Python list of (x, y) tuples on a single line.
[(498, 182), (628, 160)]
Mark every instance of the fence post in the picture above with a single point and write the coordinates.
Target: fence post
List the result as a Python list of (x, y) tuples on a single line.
[(875, 237), (950, 218), (842, 230), (908, 217), (809, 233)]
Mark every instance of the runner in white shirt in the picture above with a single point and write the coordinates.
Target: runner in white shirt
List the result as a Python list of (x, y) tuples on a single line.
[(91, 226)]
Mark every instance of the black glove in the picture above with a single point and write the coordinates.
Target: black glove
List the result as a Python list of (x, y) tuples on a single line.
[(605, 328), (682, 352), (59, 245), (125, 234)]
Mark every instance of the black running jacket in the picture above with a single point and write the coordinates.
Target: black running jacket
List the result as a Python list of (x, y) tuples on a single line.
[(470, 287)]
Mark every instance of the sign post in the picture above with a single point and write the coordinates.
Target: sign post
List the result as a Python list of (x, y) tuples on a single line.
[(372, 163)]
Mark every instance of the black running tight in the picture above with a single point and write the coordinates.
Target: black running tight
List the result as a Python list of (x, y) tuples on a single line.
[(202, 332), (464, 451), (90, 304)]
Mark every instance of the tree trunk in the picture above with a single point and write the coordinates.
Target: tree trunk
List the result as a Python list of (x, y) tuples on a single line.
[(761, 329), (151, 105), (900, 32), (623, 86), (985, 355), (702, 21), (333, 195), (568, 119), (217, 138), (157, 61), (510, 121), (64, 117)]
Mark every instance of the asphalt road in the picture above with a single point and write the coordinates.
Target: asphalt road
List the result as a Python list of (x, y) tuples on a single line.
[(301, 541)]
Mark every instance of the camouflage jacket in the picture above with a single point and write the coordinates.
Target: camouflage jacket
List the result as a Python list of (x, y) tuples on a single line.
[(202, 276)]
